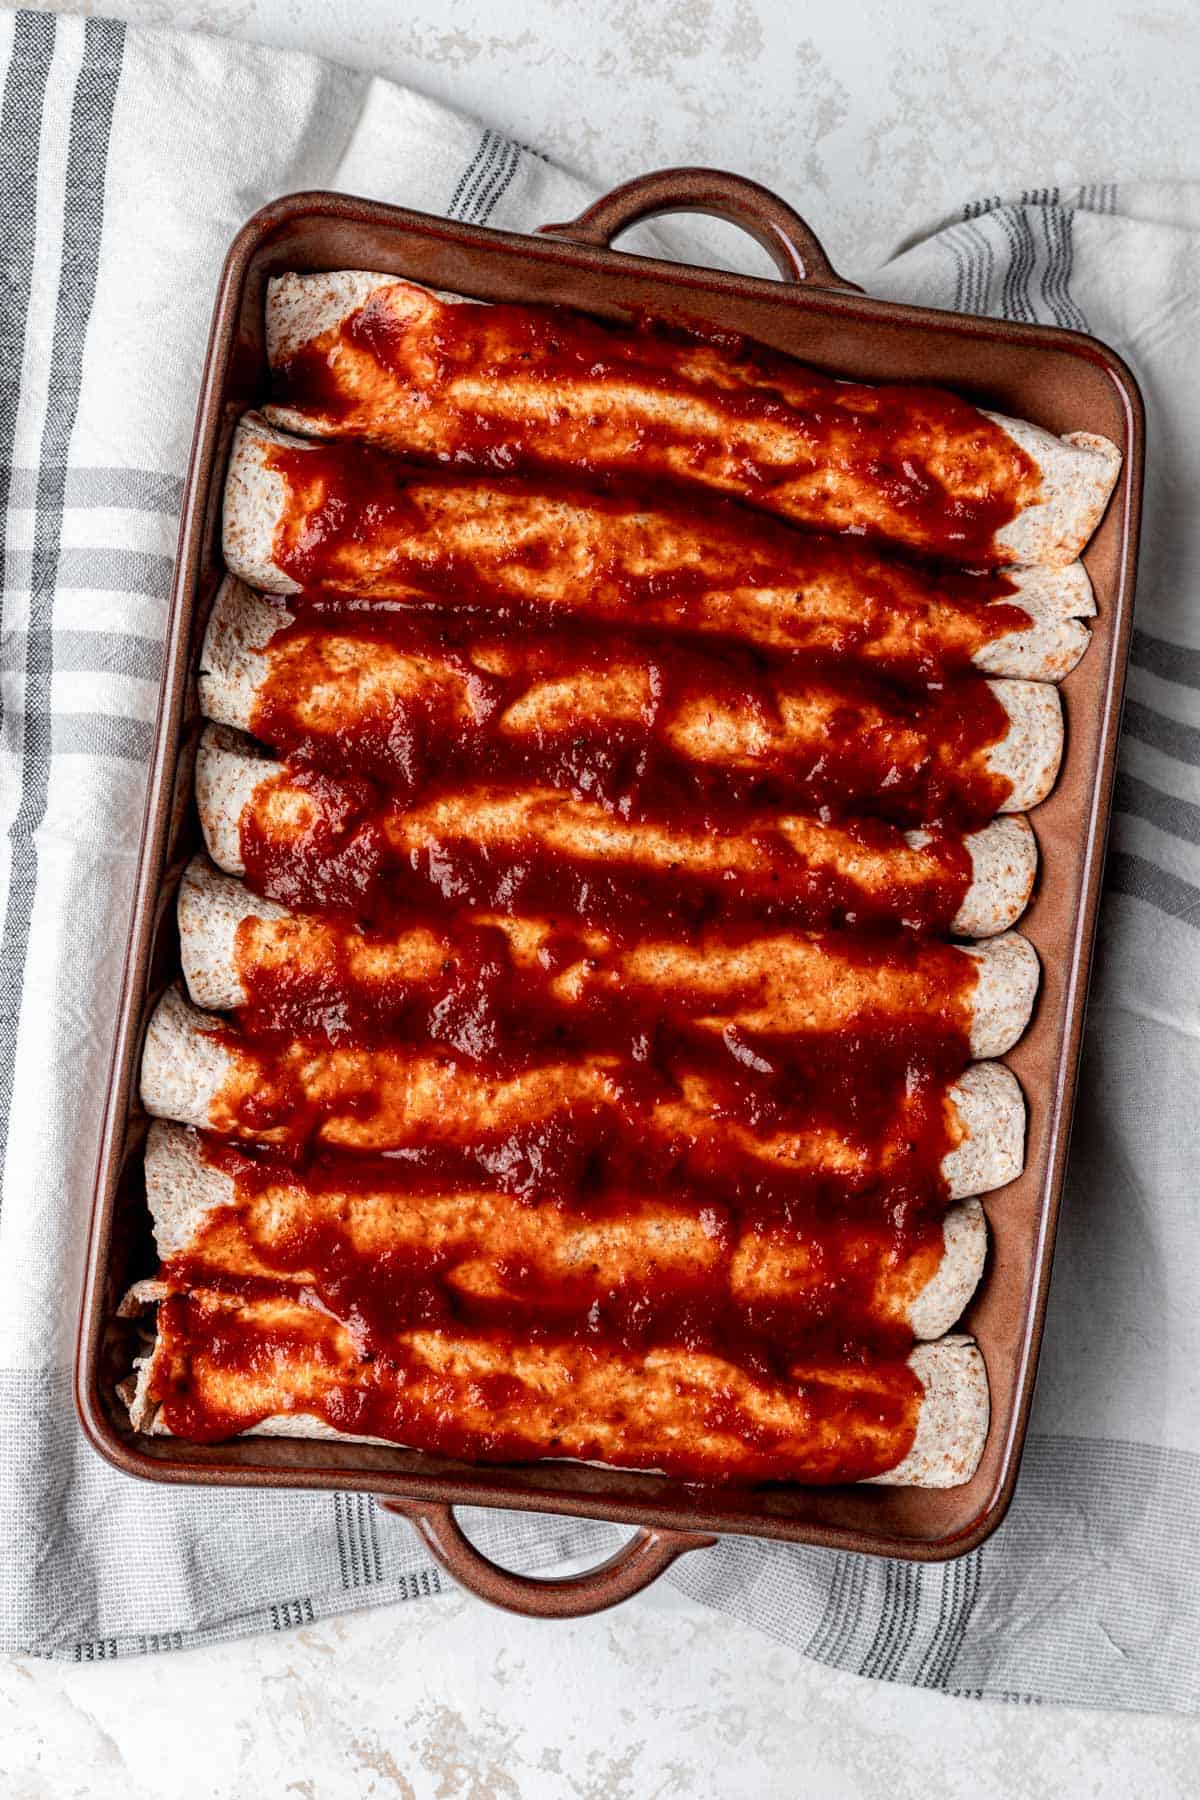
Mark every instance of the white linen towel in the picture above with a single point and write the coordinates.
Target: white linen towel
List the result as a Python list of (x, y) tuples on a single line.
[(127, 162)]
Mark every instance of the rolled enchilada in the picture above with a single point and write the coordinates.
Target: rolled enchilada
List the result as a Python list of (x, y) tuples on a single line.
[(221, 1215), (329, 973), (385, 1097), (313, 839), (547, 390), (220, 1365), (301, 516), (408, 699)]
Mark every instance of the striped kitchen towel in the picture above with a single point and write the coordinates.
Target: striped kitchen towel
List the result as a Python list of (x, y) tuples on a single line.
[(127, 162)]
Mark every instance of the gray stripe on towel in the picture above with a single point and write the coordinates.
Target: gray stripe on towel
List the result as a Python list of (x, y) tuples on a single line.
[(127, 490), (91, 653), (1170, 662), (1161, 732), (1167, 812), (1125, 873), (116, 571), (83, 217), (20, 133)]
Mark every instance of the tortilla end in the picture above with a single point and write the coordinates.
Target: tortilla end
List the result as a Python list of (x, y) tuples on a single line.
[(184, 1066), (1007, 974), (944, 1298), (1029, 755), (233, 666), (952, 1424), (1046, 649), (1004, 859), (229, 770), (181, 1187), (134, 1391), (300, 308), (1078, 474), (1064, 592), (255, 499), (209, 908), (990, 1110)]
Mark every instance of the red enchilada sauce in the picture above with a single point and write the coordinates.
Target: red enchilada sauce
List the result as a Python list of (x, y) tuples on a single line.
[(356, 521), (431, 697), (921, 466), (454, 981), (856, 1234), (877, 1086), (482, 1398), (764, 1314), (358, 851)]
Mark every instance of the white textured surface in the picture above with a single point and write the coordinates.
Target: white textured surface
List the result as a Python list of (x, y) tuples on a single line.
[(445, 1700), (875, 118)]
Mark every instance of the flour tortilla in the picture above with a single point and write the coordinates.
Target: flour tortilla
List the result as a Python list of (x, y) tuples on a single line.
[(952, 1423), (1056, 598), (230, 769), (187, 1069), (1078, 471), (183, 1189), (235, 664), (211, 906)]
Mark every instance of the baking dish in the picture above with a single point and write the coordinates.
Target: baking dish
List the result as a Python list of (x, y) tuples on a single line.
[(1062, 380)]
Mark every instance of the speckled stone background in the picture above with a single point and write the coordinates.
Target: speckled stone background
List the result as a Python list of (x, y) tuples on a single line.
[(876, 118)]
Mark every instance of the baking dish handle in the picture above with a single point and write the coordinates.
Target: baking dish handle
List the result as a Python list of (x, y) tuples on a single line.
[(788, 241), (647, 1555)]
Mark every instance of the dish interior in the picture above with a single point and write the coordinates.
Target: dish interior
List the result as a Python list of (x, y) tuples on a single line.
[(1060, 383)]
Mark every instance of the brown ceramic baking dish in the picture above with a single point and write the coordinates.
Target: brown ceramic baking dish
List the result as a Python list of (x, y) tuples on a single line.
[(1059, 379)]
